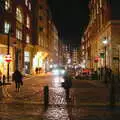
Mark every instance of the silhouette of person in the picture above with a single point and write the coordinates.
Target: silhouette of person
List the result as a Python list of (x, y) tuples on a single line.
[(67, 85), (17, 77)]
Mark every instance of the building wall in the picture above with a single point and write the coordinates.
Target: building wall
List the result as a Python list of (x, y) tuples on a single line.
[(16, 45), (101, 26)]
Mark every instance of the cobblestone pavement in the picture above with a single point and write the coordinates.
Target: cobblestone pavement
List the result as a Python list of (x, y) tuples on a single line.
[(89, 101)]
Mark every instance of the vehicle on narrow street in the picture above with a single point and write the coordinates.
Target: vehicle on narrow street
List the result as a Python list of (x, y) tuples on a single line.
[(58, 71)]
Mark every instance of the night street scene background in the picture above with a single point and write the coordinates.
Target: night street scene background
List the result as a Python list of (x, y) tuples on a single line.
[(59, 60)]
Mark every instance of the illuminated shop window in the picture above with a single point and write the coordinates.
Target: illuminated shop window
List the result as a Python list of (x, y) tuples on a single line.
[(19, 16), (27, 56), (6, 27), (28, 22), (7, 4), (27, 39), (18, 34)]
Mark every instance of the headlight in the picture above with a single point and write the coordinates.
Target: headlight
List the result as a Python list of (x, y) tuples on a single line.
[(62, 72), (55, 72)]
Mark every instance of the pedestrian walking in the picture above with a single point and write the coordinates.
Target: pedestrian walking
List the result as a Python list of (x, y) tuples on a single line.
[(4, 78), (0, 77), (67, 85), (17, 77), (36, 70)]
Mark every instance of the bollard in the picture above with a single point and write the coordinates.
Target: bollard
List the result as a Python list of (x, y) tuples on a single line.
[(112, 93), (46, 96)]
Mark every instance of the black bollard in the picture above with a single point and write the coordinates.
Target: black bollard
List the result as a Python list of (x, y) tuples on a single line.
[(112, 92), (46, 96)]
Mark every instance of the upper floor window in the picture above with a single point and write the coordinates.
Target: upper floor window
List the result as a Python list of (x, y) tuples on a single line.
[(19, 15), (6, 27), (26, 2), (28, 22), (7, 4), (18, 34), (29, 6), (100, 3), (27, 39)]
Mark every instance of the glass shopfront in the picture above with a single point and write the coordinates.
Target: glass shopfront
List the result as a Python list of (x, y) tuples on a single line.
[(27, 62), (3, 63)]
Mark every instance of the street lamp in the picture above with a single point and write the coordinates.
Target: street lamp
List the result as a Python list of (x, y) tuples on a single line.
[(105, 42)]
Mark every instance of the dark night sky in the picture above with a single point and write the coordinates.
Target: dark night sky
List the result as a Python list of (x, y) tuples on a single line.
[(70, 17)]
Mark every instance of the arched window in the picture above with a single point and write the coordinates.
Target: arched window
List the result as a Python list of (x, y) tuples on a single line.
[(19, 15)]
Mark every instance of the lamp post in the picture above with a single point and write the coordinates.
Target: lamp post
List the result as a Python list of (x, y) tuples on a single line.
[(105, 42), (8, 52)]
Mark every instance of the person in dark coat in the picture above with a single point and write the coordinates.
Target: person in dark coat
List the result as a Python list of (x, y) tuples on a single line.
[(17, 77), (67, 85)]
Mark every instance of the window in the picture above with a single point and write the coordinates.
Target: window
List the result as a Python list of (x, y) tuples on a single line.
[(100, 3), (28, 22), (27, 56), (29, 6), (26, 2), (6, 27), (27, 39), (19, 16), (18, 34), (7, 4)]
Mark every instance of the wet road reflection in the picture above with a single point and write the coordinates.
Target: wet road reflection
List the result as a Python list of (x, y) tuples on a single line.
[(28, 104), (56, 113), (57, 80)]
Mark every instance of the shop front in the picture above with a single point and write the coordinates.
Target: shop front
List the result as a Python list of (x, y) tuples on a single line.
[(3, 62), (27, 62), (39, 62)]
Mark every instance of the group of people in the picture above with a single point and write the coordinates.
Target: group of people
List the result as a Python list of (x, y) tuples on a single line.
[(105, 74), (38, 70), (17, 77)]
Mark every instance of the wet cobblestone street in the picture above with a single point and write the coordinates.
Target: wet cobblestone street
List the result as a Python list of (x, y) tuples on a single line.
[(88, 102)]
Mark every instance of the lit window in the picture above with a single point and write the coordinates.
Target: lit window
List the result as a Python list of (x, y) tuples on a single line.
[(100, 3), (29, 6), (18, 34), (19, 16), (7, 4), (28, 22), (27, 39), (26, 2), (6, 27)]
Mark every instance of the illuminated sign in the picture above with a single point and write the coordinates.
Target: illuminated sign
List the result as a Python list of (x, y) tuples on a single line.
[(8, 58)]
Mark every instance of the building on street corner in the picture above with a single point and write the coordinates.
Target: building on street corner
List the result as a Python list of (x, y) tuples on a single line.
[(100, 43), (29, 36)]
